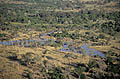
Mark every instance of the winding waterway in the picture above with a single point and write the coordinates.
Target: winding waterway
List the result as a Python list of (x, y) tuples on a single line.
[(89, 51), (65, 48)]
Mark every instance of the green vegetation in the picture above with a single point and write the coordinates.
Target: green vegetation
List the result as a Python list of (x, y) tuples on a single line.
[(56, 73), (43, 39)]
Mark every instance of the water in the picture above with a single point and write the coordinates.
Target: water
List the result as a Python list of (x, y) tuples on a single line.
[(65, 48), (27, 41), (91, 52)]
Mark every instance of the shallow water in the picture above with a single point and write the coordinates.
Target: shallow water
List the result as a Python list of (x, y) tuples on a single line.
[(65, 48), (27, 41), (91, 52)]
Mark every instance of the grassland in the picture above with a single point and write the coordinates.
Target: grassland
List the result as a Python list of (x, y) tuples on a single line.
[(50, 26)]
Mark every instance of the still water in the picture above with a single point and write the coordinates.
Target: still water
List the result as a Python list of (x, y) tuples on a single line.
[(66, 48)]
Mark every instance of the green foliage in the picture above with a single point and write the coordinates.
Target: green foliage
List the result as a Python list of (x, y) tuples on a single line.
[(65, 34), (55, 15), (49, 57), (27, 74), (112, 67), (93, 64), (79, 72), (109, 60), (111, 53), (108, 27), (98, 75), (2, 35), (56, 73), (101, 36), (25, 59), (82, 76), (45, 62), (70, 55)]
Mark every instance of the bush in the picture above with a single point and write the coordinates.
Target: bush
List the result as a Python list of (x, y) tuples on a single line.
[(98, 75), (109, 60), (82, 76), (80, 69), (49, 57), (45, 62), (56, 74), (92, 64), (2, 35), (111, 53), (78, 72), (27, 74), (27, 59)]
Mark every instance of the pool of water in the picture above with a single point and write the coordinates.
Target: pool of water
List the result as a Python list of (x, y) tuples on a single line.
[(91, 52)]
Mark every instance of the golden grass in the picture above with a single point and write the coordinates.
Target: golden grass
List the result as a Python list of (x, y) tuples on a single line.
[(10, 69), (68, 10), (4, 32), (111, 4), (87, 0), (57, 55), (107, 48), (18, 23), (101, 48)]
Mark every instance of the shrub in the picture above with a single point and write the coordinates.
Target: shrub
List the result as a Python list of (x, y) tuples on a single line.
[(109, 60), (49, 57), (82, 76), (79, 72), (45, 62), (111, 53), (27, 74), (44, 52), (56, 74), (2, 35), (92, 64)]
